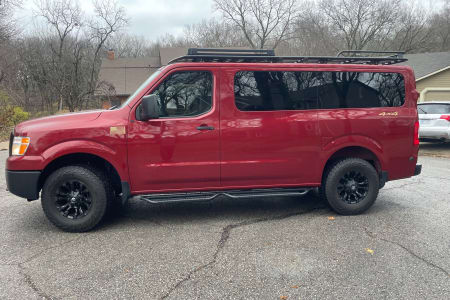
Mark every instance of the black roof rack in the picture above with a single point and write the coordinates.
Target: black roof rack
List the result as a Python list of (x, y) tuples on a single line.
[(369, 53), (231, 52), (268, 56)]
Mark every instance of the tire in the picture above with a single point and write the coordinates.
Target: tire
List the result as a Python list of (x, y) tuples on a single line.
[(75, 198), (350, 186)]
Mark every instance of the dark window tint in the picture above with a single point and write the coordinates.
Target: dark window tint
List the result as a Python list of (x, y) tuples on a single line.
[(185, 94), (259, 90), (433, 108), (361, 90)]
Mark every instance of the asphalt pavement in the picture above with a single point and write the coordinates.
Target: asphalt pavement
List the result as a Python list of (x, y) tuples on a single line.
[(275, 248)]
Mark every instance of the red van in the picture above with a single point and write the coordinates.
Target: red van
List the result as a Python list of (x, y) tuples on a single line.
[(236, 123)]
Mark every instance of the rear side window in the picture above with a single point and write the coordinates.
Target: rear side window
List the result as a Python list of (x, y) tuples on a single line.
[(433, 108), (263, 91), (361, 90), (185, 93)]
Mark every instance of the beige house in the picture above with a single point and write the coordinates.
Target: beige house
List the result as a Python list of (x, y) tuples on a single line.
[(432, 72), (120, 77)]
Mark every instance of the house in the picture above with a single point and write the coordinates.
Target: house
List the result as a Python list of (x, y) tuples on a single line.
[(120, 77), (432, 72)]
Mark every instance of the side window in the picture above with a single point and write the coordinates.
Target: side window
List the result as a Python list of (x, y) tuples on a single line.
[(263, 91), (360, 90), (185, 93)]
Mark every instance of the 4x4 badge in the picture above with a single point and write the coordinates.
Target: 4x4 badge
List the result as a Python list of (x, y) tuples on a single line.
[(388, 113)]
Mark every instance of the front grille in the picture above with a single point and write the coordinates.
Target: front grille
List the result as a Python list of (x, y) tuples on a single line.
[(11, 139)]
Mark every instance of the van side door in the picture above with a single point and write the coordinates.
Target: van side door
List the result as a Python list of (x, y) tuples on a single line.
[(269, 129)]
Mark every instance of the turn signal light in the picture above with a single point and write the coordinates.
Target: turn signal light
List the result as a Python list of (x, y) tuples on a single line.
[(20, 145), (446, 117)]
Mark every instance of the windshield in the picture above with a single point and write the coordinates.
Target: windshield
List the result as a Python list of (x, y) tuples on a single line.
[(142, 86), (434, 108)]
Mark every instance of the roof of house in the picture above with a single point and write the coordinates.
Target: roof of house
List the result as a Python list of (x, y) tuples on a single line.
[(425, 64)]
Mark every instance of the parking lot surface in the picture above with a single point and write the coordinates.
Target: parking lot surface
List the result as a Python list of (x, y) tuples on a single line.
[(275, 248)]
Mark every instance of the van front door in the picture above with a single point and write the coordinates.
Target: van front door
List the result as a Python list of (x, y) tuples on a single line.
[(179, 150)]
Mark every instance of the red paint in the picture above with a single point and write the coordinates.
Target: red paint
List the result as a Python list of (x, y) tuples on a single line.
[(245, 150)]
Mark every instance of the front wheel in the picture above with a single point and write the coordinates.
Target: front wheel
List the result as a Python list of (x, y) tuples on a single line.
[(351, 186), (75, 198)]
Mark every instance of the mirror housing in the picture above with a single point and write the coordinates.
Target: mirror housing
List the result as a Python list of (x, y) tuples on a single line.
[(149, 108)]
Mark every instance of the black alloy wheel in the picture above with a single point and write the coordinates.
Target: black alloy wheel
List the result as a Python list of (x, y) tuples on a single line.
[(350, 186), (73, 199), (353, 187)]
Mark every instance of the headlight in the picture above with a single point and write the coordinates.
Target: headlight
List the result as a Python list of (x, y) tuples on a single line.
[(20, 145)]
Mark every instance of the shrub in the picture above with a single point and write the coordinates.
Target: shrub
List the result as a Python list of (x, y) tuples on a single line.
[(9, 115)]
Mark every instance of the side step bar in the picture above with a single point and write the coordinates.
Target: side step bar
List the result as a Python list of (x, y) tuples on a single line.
[(234, 194)]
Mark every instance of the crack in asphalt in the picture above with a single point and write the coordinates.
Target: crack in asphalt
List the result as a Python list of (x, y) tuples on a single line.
[(374, 236), (28, 280), (226, 231)]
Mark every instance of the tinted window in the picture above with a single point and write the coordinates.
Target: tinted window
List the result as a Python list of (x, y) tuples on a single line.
[(361, 90), (260, 90), (185, 94), (433, 108)]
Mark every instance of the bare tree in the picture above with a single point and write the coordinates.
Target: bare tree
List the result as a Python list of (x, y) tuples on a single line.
[(440, 22), (360, 22), (214, 33), (8, 27), (312, 35), (66, 54), (412, 32), (110, 17), (262, 22), (127, 45), (63, 18)]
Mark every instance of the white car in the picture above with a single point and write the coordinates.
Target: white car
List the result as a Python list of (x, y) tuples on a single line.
[(434, 119)]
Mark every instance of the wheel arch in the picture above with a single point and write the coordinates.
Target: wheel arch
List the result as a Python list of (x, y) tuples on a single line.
[(81, 158), (355, 151)]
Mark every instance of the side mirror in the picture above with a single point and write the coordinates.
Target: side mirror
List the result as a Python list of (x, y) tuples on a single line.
[(149, 108)]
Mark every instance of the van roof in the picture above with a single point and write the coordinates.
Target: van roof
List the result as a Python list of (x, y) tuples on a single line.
[(268, 56)]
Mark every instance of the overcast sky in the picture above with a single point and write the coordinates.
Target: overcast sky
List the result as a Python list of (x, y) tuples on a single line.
[(149, 18)]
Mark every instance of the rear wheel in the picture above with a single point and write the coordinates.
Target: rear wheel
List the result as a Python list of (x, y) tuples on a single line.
[(75, 198), (351, 186)]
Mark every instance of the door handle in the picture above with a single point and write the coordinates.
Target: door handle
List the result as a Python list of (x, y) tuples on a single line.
[(205, 127)]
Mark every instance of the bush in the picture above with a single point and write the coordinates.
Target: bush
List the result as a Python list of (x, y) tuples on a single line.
[(9, 115)]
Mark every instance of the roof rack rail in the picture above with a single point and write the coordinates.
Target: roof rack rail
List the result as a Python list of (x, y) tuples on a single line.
[(268, 56), (231, 52), (347, 53)]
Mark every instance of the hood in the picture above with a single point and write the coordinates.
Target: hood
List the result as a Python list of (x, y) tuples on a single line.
[(56, 122)]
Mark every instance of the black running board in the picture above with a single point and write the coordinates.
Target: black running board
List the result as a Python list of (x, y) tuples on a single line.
[(234, 194)]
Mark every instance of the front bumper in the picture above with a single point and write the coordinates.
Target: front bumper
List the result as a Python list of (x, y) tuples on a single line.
[(24, 184)]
